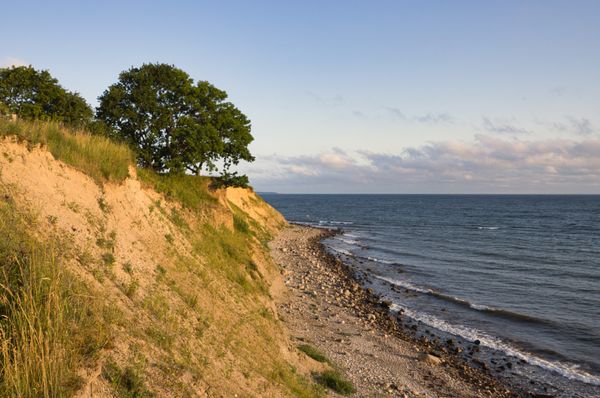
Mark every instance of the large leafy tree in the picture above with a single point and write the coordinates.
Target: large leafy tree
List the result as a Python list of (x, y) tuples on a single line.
[(174, 124), (34, 94)]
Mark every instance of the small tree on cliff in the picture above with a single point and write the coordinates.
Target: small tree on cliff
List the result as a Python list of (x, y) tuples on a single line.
[(34, 94), (174, 124)]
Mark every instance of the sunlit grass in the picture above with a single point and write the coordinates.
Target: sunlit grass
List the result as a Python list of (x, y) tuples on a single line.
[(190, 191), (97, 156), (49, 324)]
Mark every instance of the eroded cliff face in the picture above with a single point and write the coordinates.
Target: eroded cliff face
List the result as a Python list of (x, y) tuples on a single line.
[(185, 293)]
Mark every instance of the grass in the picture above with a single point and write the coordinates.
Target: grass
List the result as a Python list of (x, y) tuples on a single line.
[(127, 382), (240, 224), (97, 156), (298, 385), (50, 324), (313, 353), (335, 381), (229, 253), (191, 191)]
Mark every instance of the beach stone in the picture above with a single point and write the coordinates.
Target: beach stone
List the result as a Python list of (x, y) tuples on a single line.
[(430, 359)]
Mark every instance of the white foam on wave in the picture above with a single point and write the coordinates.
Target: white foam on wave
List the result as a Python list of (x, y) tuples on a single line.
[(349, 241), (481, 307), (333, 222), (342, 251), (569, 371), (379, 260), (489, 228), (404, 284), (308, 224)]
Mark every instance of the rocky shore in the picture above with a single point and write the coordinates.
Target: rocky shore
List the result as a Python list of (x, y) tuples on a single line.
[(325, 306)]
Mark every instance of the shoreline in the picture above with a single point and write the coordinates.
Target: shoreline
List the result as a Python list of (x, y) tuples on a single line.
[(328, 307)]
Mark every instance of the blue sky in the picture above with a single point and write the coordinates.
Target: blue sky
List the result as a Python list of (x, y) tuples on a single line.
[(357, 96)]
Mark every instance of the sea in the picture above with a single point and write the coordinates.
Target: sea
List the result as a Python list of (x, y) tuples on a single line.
[(517, 275)]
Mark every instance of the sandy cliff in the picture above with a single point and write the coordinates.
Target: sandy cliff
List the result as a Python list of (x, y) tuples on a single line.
[(185, 294)]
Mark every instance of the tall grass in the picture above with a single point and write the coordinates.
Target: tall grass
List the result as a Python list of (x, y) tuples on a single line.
[(34, 358), (48, 324), (97, 156)]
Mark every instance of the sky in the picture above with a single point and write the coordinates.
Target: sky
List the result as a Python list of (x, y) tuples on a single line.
[(359, 96)]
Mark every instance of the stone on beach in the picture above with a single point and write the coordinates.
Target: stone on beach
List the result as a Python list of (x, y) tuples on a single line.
[(430, 359)]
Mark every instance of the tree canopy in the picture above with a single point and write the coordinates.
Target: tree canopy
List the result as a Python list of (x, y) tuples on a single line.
[(174, 124), (33, 94)]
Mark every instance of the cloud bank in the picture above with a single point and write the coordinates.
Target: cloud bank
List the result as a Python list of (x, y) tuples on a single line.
[(488, 164)]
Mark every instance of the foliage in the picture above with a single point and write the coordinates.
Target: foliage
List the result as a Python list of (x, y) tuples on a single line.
[(4, 109), (33, 94), (231, 180), (97, 156), (333, 380), (174, 124)]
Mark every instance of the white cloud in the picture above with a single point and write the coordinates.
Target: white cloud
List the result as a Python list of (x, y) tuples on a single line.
[(427, 118), (502, 127), (488, 164)]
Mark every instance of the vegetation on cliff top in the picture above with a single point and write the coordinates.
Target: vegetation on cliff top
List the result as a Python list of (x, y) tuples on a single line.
[(171, 124)]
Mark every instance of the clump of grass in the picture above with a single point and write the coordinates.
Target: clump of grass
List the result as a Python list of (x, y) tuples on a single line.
[(108, 259), (131, 288), (228, 252), (103, 204), (313, 353), (335, 381), (108, 241), (160, 337), (97, 156), (49, 323), (191, 191), (178, 220), (298, 385), (160, 272), (128, 267), (126, 383), (240, 224)]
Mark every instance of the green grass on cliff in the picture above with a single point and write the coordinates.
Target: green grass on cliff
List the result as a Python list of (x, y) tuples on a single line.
[(49, 323), (97, 156), (190, 191)]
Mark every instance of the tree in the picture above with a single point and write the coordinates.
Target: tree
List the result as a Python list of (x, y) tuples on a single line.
[(33, 94), (174, 124)]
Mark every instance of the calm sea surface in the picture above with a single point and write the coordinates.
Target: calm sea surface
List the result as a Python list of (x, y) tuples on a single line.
[(521, 274)]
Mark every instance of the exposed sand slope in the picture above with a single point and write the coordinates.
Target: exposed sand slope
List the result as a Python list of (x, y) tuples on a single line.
[(189, 295)]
